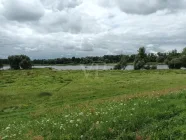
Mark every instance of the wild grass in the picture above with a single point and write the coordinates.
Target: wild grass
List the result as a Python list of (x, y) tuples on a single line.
[(48, 104)]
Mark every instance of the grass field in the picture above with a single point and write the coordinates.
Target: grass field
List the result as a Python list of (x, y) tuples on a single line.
[(43, 104)]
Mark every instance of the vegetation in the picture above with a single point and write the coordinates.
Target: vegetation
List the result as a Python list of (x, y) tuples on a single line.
[(122, 64), (19, 61), (141, 59), (47, 104), (1, 64), (183, 60), (175, 63)]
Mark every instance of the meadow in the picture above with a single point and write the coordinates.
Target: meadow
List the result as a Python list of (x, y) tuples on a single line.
[(47, 104)]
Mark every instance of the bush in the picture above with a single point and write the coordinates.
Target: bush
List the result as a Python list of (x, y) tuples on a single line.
[(1, 64), (19, 61), (25, 64), (153, 67), (183, 60), (175, 63), (139, 64), (147, 67), (117, 67), (122, 64)]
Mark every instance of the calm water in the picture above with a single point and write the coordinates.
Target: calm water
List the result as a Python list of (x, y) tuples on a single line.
[(82, 67)]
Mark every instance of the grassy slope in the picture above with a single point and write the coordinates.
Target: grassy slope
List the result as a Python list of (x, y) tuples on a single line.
[(83, 106)]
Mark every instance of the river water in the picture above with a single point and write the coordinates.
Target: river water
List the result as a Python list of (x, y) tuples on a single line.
[(90, 67)]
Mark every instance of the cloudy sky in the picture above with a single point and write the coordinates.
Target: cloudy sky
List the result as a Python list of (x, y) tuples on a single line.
[(66, 28)]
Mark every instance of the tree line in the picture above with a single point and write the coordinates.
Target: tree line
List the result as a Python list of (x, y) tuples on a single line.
[(141, 60)]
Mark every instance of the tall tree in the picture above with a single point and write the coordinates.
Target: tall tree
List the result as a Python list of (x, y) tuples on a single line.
[(140, 59)]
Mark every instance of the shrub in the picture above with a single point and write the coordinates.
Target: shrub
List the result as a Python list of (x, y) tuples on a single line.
[(25, 64), (122, 64), (183, 60), (117, 67), (153, 67), (175, 63), (147, 67), (1, 64), (139, 64), (19, 61)]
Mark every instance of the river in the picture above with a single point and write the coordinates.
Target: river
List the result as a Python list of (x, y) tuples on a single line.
[(83, 67)]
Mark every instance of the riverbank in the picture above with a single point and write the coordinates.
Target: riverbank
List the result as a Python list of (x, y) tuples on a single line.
[(49, 104)]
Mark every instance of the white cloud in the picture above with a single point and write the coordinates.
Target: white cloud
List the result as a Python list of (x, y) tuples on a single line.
[(51, 28)]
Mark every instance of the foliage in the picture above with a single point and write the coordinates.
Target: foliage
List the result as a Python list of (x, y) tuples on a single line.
[(153, 67), (140, 59), (139, 64), (175, 63), (147, 67), (150, 57), (161, 57), (183, 60), (184, 51), (25, 64), (1, 64), (117, 67), (19, 61), (122, 64)]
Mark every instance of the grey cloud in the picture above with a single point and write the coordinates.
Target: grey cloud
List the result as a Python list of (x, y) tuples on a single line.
[(68, 4), (21, 10), (61, 4), (149, 6), (60, 21), (90, 27)]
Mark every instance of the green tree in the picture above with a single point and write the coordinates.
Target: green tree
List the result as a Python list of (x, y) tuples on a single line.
[(175, 63), (140, 59), (183, 60), (184, 51), (19, 61), (25, 64), (122, 64), (1, 64)]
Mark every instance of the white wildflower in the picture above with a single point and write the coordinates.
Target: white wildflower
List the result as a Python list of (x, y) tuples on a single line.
[(81, 113), (78, 120), (7, 128)]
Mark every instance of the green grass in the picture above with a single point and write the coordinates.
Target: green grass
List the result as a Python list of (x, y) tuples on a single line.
[(43, 103)]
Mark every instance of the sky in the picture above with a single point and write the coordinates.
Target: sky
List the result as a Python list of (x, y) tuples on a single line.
[(67, 28)]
